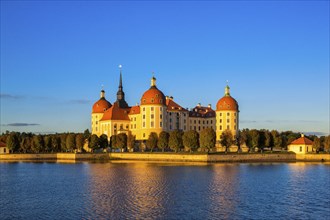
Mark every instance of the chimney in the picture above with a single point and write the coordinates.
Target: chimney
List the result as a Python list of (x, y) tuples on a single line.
[(209, 106), (199, 104)]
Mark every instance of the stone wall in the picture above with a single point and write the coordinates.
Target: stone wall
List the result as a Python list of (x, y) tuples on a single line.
[(159, 157), (230, 157)]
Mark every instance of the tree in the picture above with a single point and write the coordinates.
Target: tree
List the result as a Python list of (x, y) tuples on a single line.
[(191, 140), (152, 141), (316, 144), (269, 142), (175, 140), (71, 142), (56, 143), (226, 139), (207, 139), (80, 140), (130, 142), (25, 145), (113, 141), (12, 142), (87, 134), (63, 142), (48, 143), (37, 143), (255, 137), (163, 140), (326, 143), (103, 141), (122, 141), (95, 143)]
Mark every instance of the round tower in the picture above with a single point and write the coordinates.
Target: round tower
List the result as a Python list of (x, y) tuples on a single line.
[(227, 115), (98, 110)]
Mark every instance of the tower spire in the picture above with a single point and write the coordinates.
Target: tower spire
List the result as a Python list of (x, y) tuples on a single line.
[(120, 94), (153, 80), (227, 89)]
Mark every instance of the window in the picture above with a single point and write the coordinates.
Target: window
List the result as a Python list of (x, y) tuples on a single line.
[(199, 128), (144, 101), (220, 114), (131, 126), (300, 148), (144, 135), (220, 127), (121, 127), (152, 100), (160, 100), (161, 116), (228, 113), (143, 124), (170, 127), (160, 124), (170, 120), (115, 126), (220, 120), (96, 122), (152, 116), (207, 122), (126, 126), (144, 116), (170, 113), (152, 124), (195, 128), (143, 109), (135, 126), (235, 113), (199, 121), (152, 108), (211, 122), (96, 129), (227, 126), (184, 121), (195, 121), (4, 150), (184, 127), (190, 128), (203, 122), (156, 95), (227, 120)]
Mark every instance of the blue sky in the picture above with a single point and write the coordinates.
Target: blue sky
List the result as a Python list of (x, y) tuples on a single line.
[(55, 55)]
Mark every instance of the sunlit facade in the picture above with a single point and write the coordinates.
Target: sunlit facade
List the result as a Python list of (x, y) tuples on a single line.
[(157, 112)]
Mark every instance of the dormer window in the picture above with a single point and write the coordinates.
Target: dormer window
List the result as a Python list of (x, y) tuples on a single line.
[(152, 100)]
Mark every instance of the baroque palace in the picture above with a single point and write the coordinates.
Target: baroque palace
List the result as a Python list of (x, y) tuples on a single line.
[(157, 112)]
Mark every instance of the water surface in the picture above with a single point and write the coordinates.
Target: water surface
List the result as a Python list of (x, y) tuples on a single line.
[(141, 190)]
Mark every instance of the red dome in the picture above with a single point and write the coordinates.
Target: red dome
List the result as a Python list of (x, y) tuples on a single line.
[(153, 96), (227, 103), (101, 106)]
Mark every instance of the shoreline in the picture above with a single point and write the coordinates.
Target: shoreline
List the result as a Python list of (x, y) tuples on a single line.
[(170, 157)]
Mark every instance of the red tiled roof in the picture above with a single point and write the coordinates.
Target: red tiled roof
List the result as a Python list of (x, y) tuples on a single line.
[(134, 110), (202, 112), (101, 106), (116, 113), (173, 106), (302, 141), (227, 103), (153, 96), (2, 144)]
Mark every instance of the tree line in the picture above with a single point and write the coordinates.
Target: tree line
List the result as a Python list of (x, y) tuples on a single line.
[(176, 141)]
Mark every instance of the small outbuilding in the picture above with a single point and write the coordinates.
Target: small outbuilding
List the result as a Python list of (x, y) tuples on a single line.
[(301, 145), (3, 148)]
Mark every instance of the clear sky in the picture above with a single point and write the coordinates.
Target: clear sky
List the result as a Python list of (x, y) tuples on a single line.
[(55, 55)]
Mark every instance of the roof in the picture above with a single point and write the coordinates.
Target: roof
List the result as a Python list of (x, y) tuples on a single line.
[(302, 141), (101, 106), (227, 103), (116, 113), (173, 106), (202, 112), (2, 144), (153, 96), (134, 110)]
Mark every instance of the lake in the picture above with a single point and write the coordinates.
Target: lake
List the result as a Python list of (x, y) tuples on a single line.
[(146, 190)]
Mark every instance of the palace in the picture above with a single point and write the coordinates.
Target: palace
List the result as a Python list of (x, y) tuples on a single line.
[(157, 112)]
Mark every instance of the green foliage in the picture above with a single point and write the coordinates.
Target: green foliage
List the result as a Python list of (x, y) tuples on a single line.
[(269, 142), (326, 143), (63, 142), (56, 143), (163, 140), (227, 139), (87, 134), (152, 141), (175, 140), (71, 142), (316, 144), (37, 144), (255, 137), (130, 142), (103, 141), (113, 141), (207, 139), (26, 144), (48, 143), (12, 142), (80, 140), (121, 141), (191, 140), (95, 142)]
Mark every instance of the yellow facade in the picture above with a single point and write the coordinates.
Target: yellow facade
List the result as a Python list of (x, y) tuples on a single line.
[(158, 113)]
